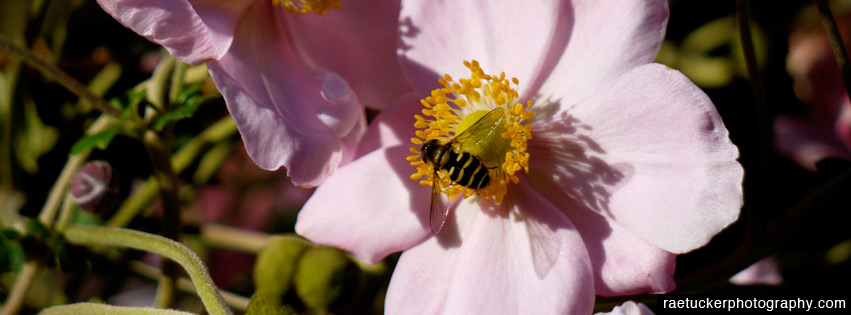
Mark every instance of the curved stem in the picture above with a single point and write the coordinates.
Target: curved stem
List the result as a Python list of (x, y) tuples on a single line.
[(235, 301), (94, 235), (60, 76), (96, 308), (835, 42)]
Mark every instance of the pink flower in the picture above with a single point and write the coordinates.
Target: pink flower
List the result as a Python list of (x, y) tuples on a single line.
[(825, 130), (628, 162), (293, 82)]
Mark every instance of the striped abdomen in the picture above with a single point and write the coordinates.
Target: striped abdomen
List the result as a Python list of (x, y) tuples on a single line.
[(466, 170)]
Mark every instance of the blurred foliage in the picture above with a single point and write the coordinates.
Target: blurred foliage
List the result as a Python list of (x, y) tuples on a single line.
[(711, 55)]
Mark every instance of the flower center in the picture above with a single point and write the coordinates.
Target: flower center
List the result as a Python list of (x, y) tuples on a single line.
[(479, 116), (304, 6)]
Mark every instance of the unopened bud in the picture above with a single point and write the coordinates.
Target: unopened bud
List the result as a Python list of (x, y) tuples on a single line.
[(95, 187), (275, 266), (326, 278)]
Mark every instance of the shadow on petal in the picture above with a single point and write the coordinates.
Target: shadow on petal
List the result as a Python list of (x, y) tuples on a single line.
[(564, 156)]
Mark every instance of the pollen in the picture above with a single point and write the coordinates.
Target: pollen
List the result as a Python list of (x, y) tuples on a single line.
[(480, 115), (320, 7)]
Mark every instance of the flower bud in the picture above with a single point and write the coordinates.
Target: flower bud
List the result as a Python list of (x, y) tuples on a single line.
[(275, 266), (325, 278), (95, 187)]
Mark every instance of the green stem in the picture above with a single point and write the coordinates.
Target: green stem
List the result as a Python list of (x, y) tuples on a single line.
[(54, 198), (60, 76), (19, 290), (66, 214), (143, 196), (159, 151), (177, 79), (226, 237), (96, 308), (755, 185), (218, 132), (157, 85), (836, 42), (207, 291), (237, 302), (47, 216), (134, 204)]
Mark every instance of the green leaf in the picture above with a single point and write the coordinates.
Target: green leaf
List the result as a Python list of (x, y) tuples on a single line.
[(99, 140), (187, 103), (11, 252), (86, 218), (10, 234), (35, 228)]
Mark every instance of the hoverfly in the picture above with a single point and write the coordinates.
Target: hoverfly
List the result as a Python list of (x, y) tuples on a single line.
[(462, 167)]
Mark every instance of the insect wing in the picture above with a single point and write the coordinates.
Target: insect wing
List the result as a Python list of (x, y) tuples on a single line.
[(482, 129), (439, 206)]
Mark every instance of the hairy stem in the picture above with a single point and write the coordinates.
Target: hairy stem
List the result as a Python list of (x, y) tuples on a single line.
[(96, 308), (105, 236), (237, 302)]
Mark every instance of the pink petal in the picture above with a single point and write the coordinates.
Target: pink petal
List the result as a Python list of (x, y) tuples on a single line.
[(192, 31), (843, 124), (623, 263), (807, 141), (815, 74), (493, 267), (357, 42), (629, 308), (652, 154), (286, 115), (607, 39), (394, 125), (510, 36), (351, 139), (370, 207), (763, 272)]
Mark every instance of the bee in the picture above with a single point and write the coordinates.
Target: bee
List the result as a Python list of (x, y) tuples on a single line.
[(462, 167)]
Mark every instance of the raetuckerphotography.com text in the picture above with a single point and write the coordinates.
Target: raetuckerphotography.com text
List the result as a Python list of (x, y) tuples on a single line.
[(714, 304)]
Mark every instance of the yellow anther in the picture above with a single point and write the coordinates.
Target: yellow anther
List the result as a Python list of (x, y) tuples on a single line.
[(447, 107), (320, 7)]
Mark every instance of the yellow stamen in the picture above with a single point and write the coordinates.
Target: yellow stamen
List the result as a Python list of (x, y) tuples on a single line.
[(320, 7), (455, 107)]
